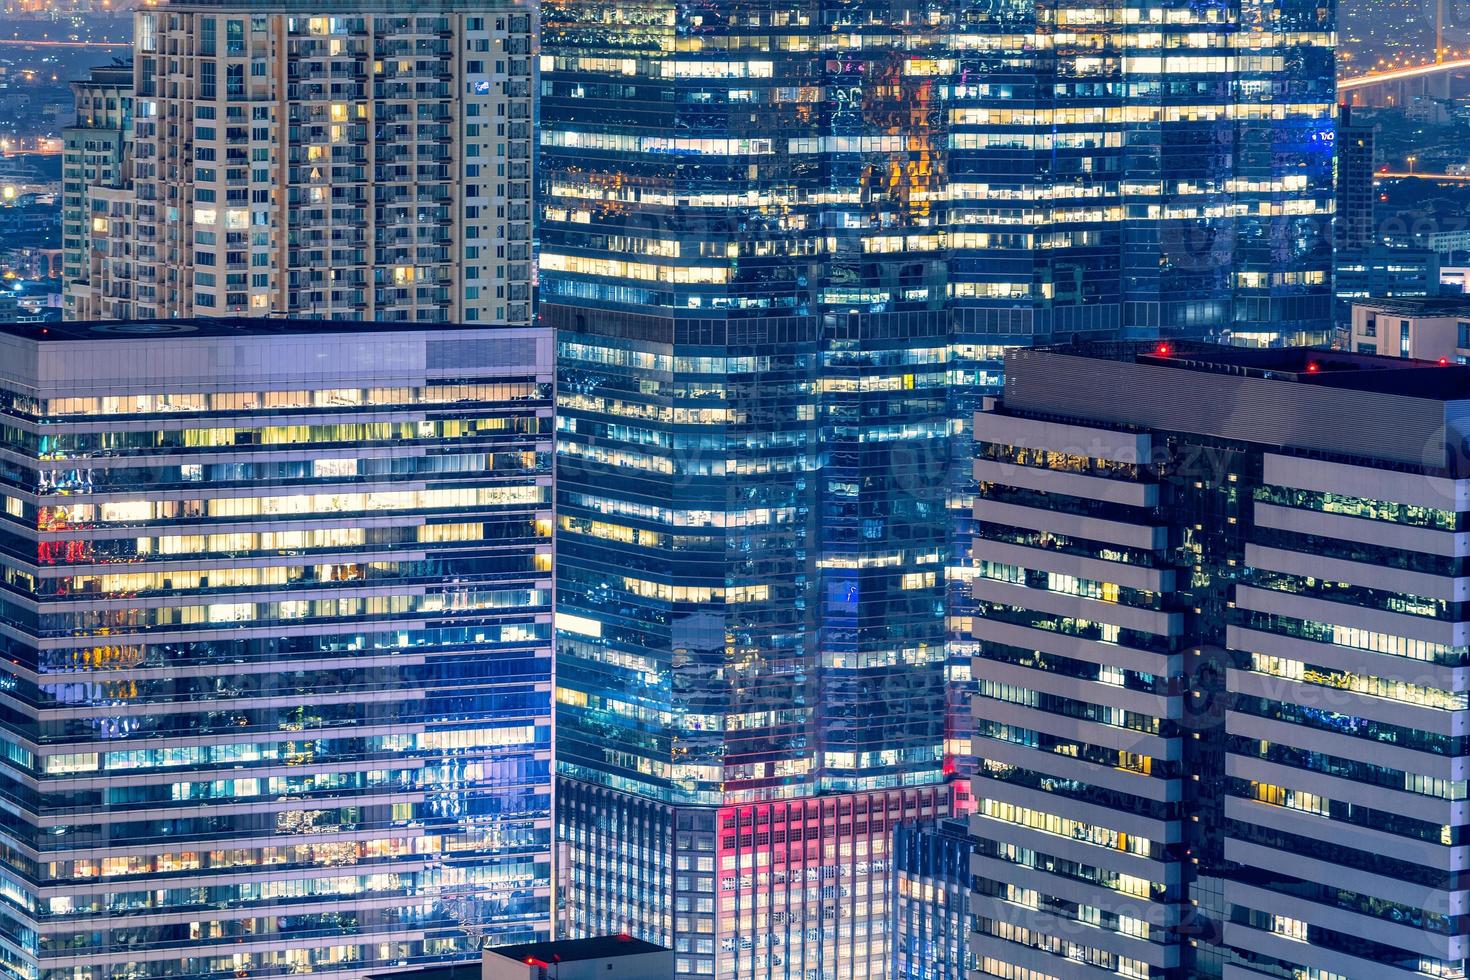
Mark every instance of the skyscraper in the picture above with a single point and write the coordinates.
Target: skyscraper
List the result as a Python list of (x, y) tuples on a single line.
[(748, 286), (333, 160), (1364, 266), (784, 249), (930, 926), (1221, 675), (1356, 200), (276, 633), (1138, 172)]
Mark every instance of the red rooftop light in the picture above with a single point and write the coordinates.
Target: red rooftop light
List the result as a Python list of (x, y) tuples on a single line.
[(1444, 361), (1312, 367), (1163, 350)]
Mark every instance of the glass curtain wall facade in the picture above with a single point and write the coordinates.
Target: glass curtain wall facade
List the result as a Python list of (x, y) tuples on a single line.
[(1144, 169), (743, 259), (1221, 662), (276, 626), (931, 902)]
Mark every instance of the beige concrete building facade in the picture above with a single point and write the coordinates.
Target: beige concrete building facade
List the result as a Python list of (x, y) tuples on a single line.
[(341, 161), (95, 182), (1427, 329)]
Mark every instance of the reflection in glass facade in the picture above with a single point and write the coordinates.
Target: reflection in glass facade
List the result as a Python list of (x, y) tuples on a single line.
[(276, 636), (1223, 666)]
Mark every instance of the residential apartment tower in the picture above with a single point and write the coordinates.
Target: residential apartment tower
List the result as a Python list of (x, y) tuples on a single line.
[(95, 180), (334, 162)]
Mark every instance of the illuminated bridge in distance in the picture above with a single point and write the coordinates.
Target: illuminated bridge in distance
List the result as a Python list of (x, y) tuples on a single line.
[(1389, 75)]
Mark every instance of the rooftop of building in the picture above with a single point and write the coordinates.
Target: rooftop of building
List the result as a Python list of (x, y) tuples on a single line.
[(1433, 380), (1382, 412), (217, 327), (1418, 305), (557, 951), (120, 72), (574, 950)]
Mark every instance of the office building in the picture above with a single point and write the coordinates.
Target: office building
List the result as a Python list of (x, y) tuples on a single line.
[(1449, 244), (276, 637), (1384, 272), (748, 288), (94, 178), (1164, 171), (1424, 329), (1222, 663), (930, 928), (334, 161)]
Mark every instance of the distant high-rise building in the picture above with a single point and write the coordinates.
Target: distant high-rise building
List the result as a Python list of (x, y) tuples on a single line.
[(1147, 171), (1384, 272), (1356, 227), (95, 188), (1222, 679), (331, 160), (276, 638), (1366, 267)]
